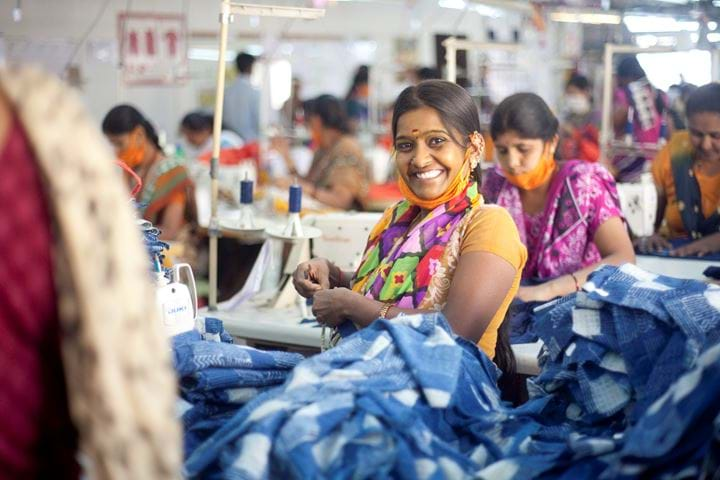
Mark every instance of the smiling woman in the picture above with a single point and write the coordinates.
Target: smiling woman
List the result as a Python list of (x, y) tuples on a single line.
[(441, 248)]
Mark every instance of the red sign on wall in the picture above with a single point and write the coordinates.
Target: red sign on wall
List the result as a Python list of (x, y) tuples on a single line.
[(153, 48)]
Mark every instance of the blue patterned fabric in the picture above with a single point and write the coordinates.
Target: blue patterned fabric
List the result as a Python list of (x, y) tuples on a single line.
[(628, 389), (217, 377)]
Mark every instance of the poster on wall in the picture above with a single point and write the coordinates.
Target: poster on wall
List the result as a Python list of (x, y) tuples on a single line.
[(153, 48)]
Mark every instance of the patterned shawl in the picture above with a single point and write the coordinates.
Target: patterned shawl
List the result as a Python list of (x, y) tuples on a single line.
[(401, 257), (580, 198), (120, 383), (687, 189), (166, 179)]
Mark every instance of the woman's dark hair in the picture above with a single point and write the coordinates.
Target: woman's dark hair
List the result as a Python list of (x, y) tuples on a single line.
[(458, 112), (197, 122), (704, 99), (331, 111), (578, 81), (428, 73), (511, 384), (525, 113), (362, 77), (124, 119), (630, 68)]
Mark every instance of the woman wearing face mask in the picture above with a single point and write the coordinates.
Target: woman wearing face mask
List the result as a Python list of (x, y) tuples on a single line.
[(167, 196), (338, 176), (568, 214), (441, 248), (580, 138), (687, 178)]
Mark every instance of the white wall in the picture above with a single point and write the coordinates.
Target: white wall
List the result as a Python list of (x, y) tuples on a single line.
[(65, 21)]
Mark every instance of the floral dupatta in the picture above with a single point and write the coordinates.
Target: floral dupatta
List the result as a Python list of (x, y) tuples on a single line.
[(400, 258)]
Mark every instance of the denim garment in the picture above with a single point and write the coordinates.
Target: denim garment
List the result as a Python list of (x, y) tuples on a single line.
[(628, 388), (361, 409), (217, 377)]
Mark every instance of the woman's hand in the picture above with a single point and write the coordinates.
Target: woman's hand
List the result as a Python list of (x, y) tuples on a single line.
[(536, 293), (331, 307), (283, 183), (312, 276), (281, 145), (702, 247), (653, 243)]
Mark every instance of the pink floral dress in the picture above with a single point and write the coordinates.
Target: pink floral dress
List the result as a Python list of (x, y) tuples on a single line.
[(559, 240)]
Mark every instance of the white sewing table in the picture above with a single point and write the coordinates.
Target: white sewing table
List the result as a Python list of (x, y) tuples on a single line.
[(264, 326)]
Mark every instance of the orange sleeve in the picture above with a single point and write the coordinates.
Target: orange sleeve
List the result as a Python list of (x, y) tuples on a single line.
[(178, 197), (661, 169), (589, 150), (493, 230)]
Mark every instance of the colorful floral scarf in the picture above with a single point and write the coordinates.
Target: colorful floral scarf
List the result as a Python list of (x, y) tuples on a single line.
[(401, 258)]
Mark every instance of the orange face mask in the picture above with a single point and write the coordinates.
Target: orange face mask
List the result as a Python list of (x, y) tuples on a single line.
[(535, 177), (133, 154), (457, 186), (315, 138)]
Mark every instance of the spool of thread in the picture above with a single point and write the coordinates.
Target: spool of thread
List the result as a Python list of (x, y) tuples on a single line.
[(664, 130), (295, 200), (246, 192), (629, 122)]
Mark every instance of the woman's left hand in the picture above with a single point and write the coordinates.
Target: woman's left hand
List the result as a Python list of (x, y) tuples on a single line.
[(331, 306), (536, 293), (702, 247)]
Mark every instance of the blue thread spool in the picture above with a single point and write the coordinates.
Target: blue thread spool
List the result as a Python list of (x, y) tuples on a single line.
[(629, 122), (246, 192), (663, 130), (295, 200)]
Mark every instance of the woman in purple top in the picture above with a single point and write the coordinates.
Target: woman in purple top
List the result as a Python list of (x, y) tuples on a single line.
[(568, 214), (637, 99)]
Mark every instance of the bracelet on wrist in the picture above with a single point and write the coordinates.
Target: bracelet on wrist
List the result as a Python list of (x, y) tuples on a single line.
[(577, 284), (384, 310)]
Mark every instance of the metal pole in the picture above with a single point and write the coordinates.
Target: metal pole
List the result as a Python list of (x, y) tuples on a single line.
[(606, 133), (213, 228), (450, 59)]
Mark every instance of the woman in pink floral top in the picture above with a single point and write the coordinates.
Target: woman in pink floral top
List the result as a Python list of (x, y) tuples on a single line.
[(568, 214)]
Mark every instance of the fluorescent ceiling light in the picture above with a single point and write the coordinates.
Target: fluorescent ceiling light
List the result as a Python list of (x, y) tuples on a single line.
[(473, 7), (586, 16), (209, 54), (713, 37), (646, 41), (657, 23), (276, 11), (518, 5)]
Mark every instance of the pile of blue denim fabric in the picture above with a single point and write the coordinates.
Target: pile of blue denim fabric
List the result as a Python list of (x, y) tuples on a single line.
[(628, 389), (217, 377)]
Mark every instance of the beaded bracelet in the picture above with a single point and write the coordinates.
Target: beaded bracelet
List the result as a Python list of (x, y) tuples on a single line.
[(384, 310)]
